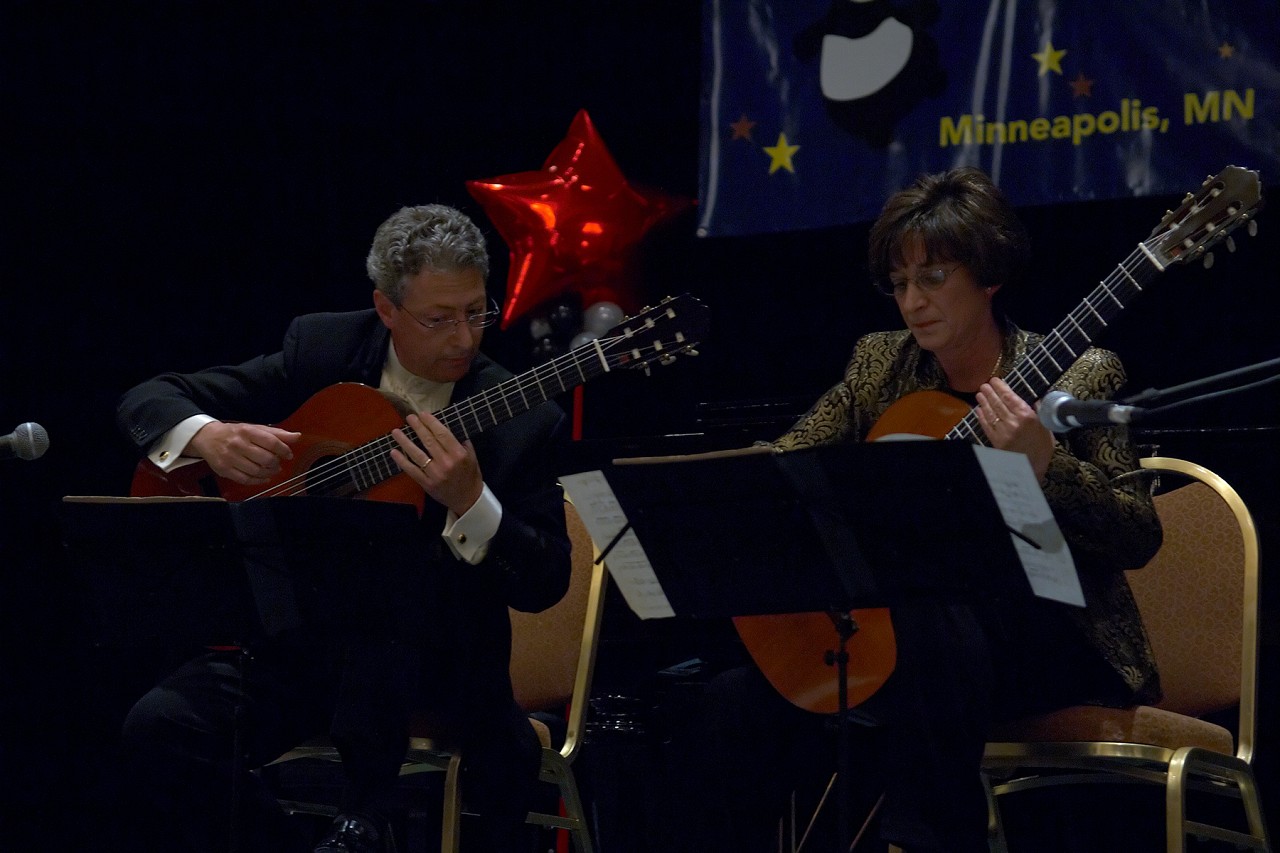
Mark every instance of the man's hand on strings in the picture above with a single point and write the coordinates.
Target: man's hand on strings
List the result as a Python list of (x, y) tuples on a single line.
[(446, 468), (249, 454)]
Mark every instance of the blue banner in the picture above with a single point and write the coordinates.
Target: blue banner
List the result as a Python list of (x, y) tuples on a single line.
[(814, 111)]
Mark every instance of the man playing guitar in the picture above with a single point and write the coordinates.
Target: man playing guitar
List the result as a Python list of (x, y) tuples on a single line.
[(493, 537)]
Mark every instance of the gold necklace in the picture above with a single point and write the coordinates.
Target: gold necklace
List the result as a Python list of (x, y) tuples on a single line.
[(995, 370)]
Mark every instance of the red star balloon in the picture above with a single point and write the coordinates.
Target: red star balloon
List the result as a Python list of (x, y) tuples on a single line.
[(571, 226)]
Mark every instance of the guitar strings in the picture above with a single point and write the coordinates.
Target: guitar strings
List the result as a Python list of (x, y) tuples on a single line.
[(1041, 355), (1220, 224), (348, 465)]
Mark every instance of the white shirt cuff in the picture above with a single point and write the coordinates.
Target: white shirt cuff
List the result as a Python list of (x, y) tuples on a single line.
[(167, 452), (469, 535)]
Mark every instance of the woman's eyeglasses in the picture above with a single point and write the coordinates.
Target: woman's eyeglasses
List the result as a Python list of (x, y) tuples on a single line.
[(927, 280)]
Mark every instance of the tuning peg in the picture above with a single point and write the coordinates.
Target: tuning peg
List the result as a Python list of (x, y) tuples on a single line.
[(690, 351), (1208, 260), (666, 358), (1252, 228), (1231, 243)]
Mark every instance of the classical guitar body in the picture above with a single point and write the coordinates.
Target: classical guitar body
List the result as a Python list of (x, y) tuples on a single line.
[(791, 648), (335, 421), (924, 414)]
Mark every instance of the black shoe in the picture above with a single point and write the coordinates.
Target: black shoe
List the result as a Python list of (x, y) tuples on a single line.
[(356, 834)]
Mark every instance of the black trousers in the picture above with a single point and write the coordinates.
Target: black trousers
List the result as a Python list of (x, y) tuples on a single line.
[(181, 741)]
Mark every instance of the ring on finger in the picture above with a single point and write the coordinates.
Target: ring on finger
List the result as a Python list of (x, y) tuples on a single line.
[(424, 465)]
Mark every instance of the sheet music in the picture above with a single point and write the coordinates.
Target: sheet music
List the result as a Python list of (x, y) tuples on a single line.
[(1049, 567), (627, 562)]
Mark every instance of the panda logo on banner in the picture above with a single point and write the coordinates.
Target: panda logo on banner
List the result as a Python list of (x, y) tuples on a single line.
[(877, 62)]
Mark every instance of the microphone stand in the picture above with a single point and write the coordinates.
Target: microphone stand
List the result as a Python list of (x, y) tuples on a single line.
[(1144, 399)]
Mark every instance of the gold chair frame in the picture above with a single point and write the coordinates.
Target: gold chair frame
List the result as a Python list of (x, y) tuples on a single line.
[(1087, 745), (586, 593)]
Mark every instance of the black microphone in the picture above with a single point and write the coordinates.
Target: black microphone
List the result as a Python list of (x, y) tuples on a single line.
[(1061, 412), (28, 441)]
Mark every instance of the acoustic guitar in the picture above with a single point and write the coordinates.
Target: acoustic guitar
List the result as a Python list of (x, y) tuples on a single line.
[(346, 443), (793, 650)]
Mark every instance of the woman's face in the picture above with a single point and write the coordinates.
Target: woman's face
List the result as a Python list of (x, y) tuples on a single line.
[(948, 318)]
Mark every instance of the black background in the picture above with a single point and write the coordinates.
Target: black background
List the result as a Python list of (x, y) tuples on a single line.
[(180, 179)]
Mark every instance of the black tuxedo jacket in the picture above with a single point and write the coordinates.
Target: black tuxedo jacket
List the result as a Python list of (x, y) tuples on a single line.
[(527, 565)]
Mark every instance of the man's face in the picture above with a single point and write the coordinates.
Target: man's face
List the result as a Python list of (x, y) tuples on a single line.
[(443, 353)]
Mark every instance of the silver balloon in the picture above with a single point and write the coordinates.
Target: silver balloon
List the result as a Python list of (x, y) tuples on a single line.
[(582, 338), (539, 328), (600, 317)]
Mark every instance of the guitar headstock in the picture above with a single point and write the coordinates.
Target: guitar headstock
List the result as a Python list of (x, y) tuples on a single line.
[(1224, 202), (659, 334)]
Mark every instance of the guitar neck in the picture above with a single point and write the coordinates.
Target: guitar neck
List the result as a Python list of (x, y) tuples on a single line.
[(519, 394), (371, 463), (656, 335), (1034, 374)]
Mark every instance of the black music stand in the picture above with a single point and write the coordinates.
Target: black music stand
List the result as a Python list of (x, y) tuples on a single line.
[(192, 572), (158, 573), (204, 571), (824, 529), (859, 525)]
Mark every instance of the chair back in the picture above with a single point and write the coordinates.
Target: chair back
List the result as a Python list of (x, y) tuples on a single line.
[(1199, 596), (553, 652)]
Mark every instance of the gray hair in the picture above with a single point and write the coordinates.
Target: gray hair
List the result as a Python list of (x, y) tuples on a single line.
[(431, 237)]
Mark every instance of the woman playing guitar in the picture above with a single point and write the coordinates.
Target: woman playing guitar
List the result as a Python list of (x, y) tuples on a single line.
[(946, 250)]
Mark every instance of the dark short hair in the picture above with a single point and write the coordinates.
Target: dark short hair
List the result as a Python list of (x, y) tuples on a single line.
[(960, 215)]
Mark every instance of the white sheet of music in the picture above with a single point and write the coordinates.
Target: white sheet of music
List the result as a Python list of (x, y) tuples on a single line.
[(627, 562), (1049, 567)]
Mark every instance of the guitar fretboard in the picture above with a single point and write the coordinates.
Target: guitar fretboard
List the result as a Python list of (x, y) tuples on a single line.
[(1034, 374), (371, 463)]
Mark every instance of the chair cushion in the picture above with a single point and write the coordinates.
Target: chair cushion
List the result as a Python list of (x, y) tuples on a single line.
[(1138, 724)]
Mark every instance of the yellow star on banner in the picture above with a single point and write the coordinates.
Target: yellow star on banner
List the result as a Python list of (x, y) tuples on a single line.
[(1049, 59), (1226, 50), (742, 127), (781, 155)]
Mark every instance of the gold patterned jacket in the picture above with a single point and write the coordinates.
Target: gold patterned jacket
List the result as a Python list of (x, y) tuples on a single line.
[(1109, 522)]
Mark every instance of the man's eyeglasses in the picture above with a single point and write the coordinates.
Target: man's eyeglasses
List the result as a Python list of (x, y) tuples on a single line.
[(478, 320), (927, 280)]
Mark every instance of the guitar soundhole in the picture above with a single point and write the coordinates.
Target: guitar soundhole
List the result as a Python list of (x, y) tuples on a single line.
[(330, 479), (208, 487)]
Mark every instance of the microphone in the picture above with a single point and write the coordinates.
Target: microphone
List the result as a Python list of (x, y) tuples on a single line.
[(28, 441), (1060, 412)]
